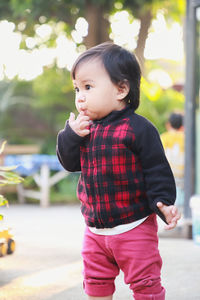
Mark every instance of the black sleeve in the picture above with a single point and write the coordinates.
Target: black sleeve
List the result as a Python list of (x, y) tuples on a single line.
[(68, 149), (158, 176)]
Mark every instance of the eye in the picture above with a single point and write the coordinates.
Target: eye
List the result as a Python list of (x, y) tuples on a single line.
[(76, 89), (87, 86)]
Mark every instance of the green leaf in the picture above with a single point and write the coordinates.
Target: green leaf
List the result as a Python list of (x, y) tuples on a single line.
[(3, 201), (9, 178), (10, 168), (2, 147), (8, 175)]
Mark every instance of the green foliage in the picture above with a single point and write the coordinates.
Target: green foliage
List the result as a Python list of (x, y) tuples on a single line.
[(41, 119), (11, 97), (53, 88), (175, 10), (54, 100), (43, 109), (7, 177), (8, 96), (33, 11), (34, 111), (15, 97), (137, 6), (156, 104), (65, 190)]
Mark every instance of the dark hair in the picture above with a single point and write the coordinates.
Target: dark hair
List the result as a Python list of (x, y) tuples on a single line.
[(120, 64), (176, 120)]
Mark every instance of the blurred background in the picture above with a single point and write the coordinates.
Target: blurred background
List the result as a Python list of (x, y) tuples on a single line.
[(40, 41)]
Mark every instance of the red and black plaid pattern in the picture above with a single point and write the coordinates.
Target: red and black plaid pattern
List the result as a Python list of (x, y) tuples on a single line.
[(125, 172), (111, 187)]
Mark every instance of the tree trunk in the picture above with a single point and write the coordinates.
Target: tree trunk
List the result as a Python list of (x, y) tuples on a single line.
[(145, 20), (98, 31)]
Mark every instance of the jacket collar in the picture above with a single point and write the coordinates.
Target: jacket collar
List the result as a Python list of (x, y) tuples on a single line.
[(115, 115)]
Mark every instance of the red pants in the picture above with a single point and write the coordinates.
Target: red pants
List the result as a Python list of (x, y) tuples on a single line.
[(134, 252)]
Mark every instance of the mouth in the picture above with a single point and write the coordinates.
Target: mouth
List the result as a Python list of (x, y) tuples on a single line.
[(85, 111), (82, 108)]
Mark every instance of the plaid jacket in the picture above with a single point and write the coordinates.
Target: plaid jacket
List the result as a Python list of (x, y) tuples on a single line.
[(124, 171)]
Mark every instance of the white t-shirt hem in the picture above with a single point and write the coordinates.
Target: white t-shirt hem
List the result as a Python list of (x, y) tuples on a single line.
[(117, 229)]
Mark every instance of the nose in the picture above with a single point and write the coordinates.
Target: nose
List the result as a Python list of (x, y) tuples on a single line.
[(81, 102), (80, 98)]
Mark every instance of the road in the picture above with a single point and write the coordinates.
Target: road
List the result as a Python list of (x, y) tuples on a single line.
[(47, 263)]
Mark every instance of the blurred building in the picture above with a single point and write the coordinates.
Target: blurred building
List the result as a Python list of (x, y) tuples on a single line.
[(192, 106)]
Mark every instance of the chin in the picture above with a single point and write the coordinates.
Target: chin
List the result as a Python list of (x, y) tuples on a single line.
[(92, 117)]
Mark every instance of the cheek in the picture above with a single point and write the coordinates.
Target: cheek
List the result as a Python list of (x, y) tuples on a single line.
[(92, 106), (77, 106)]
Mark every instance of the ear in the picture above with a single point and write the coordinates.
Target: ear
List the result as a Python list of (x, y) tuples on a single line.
[(123, 89)]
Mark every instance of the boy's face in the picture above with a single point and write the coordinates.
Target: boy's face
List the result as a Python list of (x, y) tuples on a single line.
[(96, 94)]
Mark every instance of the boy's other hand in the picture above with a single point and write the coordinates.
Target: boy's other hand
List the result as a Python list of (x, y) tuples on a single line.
[(79, 125), (171, 214)]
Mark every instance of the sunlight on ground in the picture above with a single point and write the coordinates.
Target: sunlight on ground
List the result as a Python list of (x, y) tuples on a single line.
[(68, 275), (71, 274)]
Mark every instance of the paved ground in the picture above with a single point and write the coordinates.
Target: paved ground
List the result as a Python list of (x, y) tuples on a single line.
[(47, 263)]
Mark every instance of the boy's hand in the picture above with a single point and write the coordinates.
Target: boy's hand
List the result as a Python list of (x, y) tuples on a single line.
[(80, 125), (171, 214)]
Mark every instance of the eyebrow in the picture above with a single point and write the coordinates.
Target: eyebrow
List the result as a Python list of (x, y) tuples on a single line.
[(84, 81), (87, 80)]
